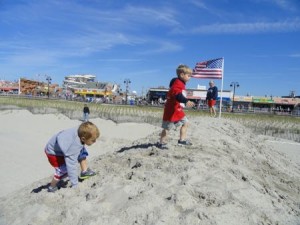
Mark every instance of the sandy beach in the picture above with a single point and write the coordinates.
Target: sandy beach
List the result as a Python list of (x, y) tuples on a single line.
[(229, 175)]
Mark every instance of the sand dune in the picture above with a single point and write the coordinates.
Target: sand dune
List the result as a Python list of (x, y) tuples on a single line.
[(229, 176), (23, 137)]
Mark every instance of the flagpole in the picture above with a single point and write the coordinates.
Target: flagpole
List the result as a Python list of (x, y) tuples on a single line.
[(220, 112)]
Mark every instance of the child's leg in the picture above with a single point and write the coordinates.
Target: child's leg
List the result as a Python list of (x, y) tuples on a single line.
[(60, 173), (183, 131), (53, 182), (58, 162), (163, 136)]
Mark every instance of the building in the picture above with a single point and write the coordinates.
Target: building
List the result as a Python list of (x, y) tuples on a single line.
[(159, 95), (29, 87), (275, 105), (8, 87), (96, 89), (37, 88), (71, 81), (86, 87)]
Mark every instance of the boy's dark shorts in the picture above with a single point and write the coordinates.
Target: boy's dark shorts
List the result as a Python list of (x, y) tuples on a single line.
[(167, 125)]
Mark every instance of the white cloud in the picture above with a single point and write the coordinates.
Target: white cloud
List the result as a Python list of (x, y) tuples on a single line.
[(119, 60), (286, 4), (159, 47), (296, 55), (154, 16), (256, 27), (199, 4)]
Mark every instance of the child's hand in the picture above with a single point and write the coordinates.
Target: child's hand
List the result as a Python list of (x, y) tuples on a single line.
[(190, 104)]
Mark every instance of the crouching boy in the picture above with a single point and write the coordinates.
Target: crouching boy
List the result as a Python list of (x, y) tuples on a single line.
[(67, 148)]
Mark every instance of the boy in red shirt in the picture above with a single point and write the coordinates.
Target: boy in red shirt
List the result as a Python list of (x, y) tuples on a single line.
[(174, 115)]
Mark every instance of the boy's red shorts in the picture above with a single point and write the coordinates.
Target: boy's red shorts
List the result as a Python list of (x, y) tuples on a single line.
[(211, 103), (56, 161)]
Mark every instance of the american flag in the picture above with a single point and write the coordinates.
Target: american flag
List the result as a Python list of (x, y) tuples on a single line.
[(211, 69)]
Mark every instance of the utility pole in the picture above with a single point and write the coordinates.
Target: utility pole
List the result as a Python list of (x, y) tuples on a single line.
[(127, 82), (48, 78), (234, 85)]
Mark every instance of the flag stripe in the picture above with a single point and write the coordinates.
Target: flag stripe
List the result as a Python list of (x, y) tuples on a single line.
[(208, 76), (211, 69)]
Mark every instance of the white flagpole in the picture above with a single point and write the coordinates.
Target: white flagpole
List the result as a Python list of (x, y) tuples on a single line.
[(220, 111)]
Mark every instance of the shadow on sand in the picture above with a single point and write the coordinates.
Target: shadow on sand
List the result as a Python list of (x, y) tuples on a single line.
[(143, 146), (61, 184), (40, 188)]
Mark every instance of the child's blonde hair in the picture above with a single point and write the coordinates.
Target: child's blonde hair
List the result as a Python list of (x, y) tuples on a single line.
[(183, 69), (87, 129)]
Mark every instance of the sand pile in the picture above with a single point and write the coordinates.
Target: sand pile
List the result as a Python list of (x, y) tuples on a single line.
[(229, 176)]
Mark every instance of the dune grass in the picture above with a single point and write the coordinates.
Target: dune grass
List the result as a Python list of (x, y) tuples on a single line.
[(277, 126), (73, 109), (286, 127)]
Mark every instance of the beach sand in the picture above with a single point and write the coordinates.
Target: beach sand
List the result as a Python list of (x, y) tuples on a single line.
[(229, 175)]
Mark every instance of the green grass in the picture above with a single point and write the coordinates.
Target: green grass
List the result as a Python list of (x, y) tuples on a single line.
[(277, 126)]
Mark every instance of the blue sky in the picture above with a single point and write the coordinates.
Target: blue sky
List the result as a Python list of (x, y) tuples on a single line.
[(145, 41)]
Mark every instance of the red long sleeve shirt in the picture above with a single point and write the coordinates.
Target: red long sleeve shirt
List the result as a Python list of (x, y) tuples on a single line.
[(173, 110)]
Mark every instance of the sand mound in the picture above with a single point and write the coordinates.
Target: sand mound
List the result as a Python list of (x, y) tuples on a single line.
[(229, 176)]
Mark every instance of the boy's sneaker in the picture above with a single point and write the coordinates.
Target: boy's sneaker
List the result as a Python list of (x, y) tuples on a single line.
[(62, 184), (52, 189), (162, 146), (184, 143), (86, 174)]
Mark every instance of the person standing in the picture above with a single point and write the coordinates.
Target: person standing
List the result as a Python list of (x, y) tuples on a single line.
[(86, 113), (211, 98), (174, 115)]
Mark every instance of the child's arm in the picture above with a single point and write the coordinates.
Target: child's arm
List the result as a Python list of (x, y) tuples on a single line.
[(71, 162), (180, 98)]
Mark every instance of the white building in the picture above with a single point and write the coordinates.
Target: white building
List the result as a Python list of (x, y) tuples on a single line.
[(73, 81)]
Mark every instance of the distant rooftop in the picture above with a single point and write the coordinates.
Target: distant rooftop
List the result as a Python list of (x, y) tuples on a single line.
[(78, 79), (87, 76), (93, 85)]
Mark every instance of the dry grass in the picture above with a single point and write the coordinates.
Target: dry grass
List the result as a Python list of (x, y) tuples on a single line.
[(286, 127), (276, 126), (73, 109)]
